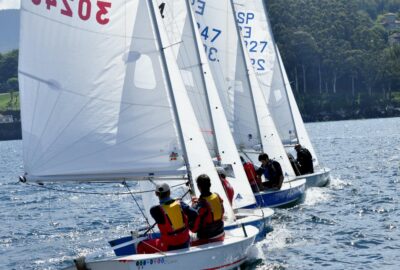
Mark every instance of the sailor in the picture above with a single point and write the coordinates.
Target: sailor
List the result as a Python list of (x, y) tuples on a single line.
[(209, 224), (230, 192), (254, 180), (272, 171), (294, 163), (304, 159), (173, 218)]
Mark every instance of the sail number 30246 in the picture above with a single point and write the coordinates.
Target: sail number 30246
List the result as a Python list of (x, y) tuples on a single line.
[(85, 9)]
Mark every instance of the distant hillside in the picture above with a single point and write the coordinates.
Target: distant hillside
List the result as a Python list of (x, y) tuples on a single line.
[(9, 30)]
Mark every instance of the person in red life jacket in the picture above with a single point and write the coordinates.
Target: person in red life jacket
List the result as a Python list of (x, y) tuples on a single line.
[(254, 179), (230, 192), (173, 218), (209, 224)]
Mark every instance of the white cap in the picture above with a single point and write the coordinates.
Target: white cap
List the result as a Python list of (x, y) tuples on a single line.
[(162, 188)]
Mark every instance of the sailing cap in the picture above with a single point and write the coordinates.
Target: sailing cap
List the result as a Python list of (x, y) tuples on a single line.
[(162, 188)]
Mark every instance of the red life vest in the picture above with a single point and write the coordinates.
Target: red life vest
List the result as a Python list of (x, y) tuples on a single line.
[(174, 231)]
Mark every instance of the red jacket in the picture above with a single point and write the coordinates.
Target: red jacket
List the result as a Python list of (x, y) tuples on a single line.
[(251, 173), (230, 192)]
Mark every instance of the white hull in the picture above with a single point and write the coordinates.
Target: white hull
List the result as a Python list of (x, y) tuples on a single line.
[(229, 254), (320, 178)]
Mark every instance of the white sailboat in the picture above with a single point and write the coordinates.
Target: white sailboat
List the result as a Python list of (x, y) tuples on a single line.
[(103, 100), (252, 17), (250, 121)]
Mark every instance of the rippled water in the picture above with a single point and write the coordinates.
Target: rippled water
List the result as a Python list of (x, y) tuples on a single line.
[(352, 224)]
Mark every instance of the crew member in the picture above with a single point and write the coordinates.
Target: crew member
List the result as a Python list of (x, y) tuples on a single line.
[(209, 224), (272, 171), (304, 159), (254, 179), (230, 192), (173, 219)]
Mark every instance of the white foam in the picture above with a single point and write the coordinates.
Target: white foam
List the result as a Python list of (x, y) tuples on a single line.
[(316, 195)]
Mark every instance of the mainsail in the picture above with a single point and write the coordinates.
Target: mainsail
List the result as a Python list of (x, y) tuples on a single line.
[(98, 101)]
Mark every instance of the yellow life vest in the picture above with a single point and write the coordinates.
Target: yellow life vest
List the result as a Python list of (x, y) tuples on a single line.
[(215, 206), (174, 214)]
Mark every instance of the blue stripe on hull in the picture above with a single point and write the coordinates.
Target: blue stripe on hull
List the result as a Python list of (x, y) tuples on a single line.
[(279, 198)]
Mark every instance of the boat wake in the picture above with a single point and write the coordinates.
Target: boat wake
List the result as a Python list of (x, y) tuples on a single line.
[(316, 195)]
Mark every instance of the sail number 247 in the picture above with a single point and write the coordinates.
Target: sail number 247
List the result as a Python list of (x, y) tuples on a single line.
[(85, 9)]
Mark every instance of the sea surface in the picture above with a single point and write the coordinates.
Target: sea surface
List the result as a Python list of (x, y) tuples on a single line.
[(351, 224)]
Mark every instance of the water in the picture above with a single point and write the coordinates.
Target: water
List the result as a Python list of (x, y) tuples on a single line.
[(352, 224)]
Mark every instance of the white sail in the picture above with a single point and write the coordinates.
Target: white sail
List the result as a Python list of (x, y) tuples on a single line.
[(223, 50), (93, 95), (267, 63), (203, 94), (251, 112), (252, 18), (10, 4), (302, 133)]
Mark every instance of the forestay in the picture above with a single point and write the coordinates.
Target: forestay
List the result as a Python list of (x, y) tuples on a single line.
[(253, 125), (203, 93)]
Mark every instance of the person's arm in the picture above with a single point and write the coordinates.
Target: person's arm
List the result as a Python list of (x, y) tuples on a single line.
[(202, 211), (190, 212), (157, 215)]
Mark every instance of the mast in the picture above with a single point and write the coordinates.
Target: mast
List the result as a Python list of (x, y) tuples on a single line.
[(189, 14), (171, 94), (280, 69)]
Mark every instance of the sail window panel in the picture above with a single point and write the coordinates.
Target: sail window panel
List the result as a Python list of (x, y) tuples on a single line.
[(144, 77)]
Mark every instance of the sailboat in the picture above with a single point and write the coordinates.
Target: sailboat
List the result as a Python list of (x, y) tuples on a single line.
[(252, 127), (102, 100), (252, 17)]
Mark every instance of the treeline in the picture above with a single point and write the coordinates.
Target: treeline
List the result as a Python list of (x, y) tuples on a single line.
[(9, 72), (338, 57)]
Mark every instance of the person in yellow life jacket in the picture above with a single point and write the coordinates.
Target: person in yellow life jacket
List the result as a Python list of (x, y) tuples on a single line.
[(209, 224), (173, 219)]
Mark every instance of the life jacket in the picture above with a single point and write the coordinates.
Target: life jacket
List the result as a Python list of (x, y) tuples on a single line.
[(174, 231), (212, 223)]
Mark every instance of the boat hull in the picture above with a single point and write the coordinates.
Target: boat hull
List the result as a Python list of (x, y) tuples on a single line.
[(228, 254), (258, 217), (290, 194), (320, 178)]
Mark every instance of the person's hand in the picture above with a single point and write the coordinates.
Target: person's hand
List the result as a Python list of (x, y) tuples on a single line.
[(195, 200)]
